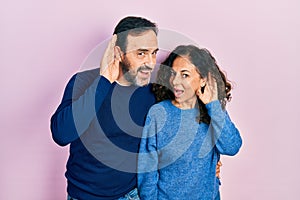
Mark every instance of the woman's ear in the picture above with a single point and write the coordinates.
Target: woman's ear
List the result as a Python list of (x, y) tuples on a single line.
[(118, 53), (203, 82), (201, 86)]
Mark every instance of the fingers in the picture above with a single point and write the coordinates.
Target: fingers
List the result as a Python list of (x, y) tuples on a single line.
[(220, 163), (211, 81), (111, 46), (109, 66), (212, 87), (218, 172), (218, 169), (108, 56), (204, 93), (112, 42), (109, 52), (114, 39)]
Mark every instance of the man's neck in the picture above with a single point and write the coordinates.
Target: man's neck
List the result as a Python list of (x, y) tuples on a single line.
[(122, 81)]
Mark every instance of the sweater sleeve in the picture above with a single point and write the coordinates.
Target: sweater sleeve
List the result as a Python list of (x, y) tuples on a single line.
[(83, 96), (222, 132), (148, 160)]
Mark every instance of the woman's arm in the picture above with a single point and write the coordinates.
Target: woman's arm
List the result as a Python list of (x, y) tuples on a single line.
[(148, 160), (221, 132)]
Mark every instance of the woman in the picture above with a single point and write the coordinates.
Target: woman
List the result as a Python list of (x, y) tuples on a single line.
[(187, 131)]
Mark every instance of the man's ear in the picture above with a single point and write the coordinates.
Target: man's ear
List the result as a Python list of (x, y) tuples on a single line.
[(118, 53)]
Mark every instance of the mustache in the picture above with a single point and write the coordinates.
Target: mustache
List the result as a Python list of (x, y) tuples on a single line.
[(145, 68)]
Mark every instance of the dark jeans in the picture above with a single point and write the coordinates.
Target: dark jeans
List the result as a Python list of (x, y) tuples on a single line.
[(132, 195)]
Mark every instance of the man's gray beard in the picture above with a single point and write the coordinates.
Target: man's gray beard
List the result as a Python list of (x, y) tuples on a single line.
[(129, 77)]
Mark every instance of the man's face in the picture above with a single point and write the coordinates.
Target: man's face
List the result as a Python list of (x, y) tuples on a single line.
[(140, 58)]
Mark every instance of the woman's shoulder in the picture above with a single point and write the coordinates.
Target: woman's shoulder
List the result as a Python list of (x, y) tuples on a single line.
[(161, 107), (166, 104)]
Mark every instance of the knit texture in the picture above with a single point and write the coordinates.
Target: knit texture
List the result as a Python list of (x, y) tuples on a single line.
[(103, 123), (178, 156)]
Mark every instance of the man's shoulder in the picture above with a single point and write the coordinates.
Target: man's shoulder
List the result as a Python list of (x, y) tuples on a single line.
[(85, 77), (91, 73), (145, 90)]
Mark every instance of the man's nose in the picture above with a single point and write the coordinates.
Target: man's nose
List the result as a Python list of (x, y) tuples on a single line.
[(150, 60)]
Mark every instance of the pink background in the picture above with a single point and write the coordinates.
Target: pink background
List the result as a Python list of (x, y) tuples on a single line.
[(42, 43)]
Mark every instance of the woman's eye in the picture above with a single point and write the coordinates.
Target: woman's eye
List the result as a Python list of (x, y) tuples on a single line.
[(185, 75)]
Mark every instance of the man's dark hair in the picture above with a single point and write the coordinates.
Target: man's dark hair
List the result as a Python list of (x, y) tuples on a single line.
[(133, 26)]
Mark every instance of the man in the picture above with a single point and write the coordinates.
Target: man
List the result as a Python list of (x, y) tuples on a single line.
[(103, 147), (102, 115)]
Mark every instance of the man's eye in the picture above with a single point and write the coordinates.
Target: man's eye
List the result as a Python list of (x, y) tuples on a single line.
[(141, 53), (185, 75)]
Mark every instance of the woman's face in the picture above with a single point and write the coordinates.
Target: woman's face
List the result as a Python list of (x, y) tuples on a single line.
[(185, 81)]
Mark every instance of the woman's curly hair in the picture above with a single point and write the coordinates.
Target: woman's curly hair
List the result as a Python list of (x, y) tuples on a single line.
[(205, 63)]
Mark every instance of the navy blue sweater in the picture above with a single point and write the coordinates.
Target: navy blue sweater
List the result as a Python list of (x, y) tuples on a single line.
[(103, 124)]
